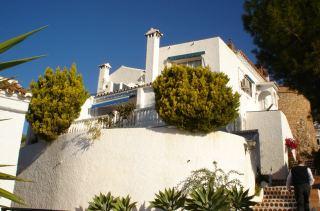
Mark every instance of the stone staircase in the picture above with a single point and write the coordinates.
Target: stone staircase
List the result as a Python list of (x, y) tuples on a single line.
[(276, 198)]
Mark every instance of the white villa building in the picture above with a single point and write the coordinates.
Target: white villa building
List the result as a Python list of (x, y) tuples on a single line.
[(147, 156), (127, 83), (258, 103)]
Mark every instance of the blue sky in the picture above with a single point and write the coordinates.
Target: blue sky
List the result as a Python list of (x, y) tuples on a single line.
[(93, 32)]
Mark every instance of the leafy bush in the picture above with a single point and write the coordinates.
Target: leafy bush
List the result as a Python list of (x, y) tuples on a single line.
[(195, 99), (207, 198), (56, 101), (239, 199), (169, 200), (123, 204), (205, 177), (102, 202), (125, 110)]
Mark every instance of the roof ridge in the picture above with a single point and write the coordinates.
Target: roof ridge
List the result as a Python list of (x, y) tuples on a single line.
[(133, 68)]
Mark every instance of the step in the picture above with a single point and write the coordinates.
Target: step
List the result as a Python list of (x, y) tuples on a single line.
[(278, 197), (277, 204), (276, 188), (278, 193), (279, 200), (272, 209)]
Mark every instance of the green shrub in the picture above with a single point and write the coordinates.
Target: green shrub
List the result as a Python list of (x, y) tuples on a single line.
[(102, 202), (205, 177), (56, 101), (195, 99), (169, 200)]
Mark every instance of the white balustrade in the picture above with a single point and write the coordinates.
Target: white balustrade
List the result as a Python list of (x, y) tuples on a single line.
[(145, 117)]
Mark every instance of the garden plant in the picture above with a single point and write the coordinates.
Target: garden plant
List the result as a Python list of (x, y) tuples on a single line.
[(56, 101), (207, 191), (4, 46), (108, 202), (195, 99)]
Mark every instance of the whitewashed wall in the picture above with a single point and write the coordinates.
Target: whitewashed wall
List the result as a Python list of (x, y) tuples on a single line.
[(145, 97), (236, 69), (84, 113), (220, 58), (139, 162), (210, 46), (127, 75), (273, 128), (13, 108)]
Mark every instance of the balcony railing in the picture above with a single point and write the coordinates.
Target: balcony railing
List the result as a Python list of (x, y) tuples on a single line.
[(145, 117)]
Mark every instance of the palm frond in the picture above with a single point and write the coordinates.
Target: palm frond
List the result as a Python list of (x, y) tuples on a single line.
[(4, 176), (11, 196), (6, 45), (6, 65)]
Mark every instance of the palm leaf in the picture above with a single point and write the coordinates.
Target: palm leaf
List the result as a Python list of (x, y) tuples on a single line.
[(4, 120), (4, 165), (4, 176), (11, 196), (6, 45), (6, 65)]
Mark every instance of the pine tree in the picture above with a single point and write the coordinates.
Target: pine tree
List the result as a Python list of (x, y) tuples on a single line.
[(286, 33), (195, 99), (56, 101)]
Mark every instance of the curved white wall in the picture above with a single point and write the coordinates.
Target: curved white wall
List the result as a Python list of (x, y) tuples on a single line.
[(136, 161)]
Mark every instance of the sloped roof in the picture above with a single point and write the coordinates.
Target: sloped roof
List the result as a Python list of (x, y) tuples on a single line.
[(11, 86)]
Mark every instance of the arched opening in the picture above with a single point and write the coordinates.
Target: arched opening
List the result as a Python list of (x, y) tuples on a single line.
[(265, 99)]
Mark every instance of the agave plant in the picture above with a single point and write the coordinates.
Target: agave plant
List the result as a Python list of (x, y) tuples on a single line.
[(208, 199), (4, 46), (102, 202), (124, 204), (169, 200), (239, 199), (7, 194)]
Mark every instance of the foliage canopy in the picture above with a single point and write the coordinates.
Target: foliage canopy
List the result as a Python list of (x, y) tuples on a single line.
[(286, 33), (195, 99), (56, 102)]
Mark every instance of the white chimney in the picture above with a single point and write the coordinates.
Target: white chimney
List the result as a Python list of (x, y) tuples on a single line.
[(103, 77), (152, 55)]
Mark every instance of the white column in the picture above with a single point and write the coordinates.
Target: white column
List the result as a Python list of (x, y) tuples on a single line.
[(152, 54), (140, 98), (103, 77)]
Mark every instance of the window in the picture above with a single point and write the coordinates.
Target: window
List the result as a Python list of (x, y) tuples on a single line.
[(246, 85), (193, 63), (190, 59), (318, 141)]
